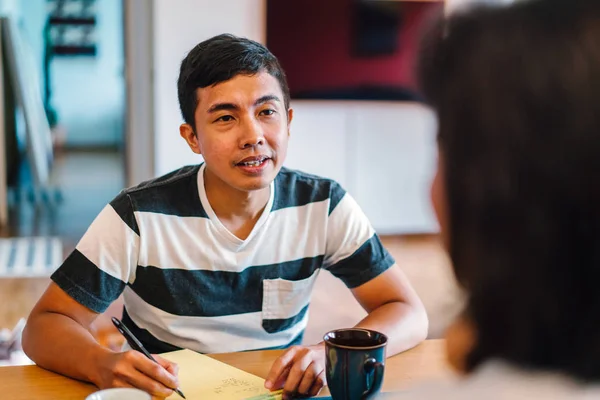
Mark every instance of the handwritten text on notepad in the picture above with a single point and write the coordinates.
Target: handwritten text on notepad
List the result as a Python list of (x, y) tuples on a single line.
[(204, 378)]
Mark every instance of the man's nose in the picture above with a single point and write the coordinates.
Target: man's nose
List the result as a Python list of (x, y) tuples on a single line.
[(253, 135)]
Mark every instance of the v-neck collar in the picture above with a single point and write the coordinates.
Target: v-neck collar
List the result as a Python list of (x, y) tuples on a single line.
[(235, 241)]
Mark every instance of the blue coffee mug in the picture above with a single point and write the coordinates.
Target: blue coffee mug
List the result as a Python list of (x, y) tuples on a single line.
[(355, 363)]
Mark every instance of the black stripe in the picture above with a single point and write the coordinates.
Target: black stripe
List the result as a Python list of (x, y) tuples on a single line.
[(366, 263), (122, 206), (337, 194), (156, 346), (215, 293), (279, 325), (294, 189), (172, 194), (152, 344), (93, 287)]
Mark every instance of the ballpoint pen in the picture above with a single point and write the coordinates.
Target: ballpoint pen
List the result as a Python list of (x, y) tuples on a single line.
[(137, 345)]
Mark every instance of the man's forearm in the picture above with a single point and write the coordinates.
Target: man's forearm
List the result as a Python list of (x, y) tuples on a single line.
[(405, 326), (58, 343)]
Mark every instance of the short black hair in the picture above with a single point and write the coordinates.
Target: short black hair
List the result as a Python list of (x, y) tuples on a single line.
[(517, 93), (219, 59)]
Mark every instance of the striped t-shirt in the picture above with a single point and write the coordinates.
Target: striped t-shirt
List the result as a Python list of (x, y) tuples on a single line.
[(188, 282)]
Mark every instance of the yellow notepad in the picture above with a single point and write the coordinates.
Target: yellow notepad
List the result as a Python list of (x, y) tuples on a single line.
[(204, 378)]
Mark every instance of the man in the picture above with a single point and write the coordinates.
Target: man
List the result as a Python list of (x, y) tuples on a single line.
[(221, 256)]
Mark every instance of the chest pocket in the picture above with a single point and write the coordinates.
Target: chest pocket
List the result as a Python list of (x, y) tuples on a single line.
[(285, 303)]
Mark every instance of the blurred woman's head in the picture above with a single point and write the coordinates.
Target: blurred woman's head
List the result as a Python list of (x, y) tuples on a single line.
[(517, 93)]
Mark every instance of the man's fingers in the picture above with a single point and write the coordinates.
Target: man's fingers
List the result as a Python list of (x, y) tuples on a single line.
[(318, 384), (156, 373), (278, 384), (279, 367), (297, 372), (300, 371), (171, 367), (309, 378), (147, 384)]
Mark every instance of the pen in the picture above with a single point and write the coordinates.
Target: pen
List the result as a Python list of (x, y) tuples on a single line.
[(137, 345)]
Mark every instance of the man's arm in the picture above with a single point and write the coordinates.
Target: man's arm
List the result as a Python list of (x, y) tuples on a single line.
[(394, 309), (57, 337)]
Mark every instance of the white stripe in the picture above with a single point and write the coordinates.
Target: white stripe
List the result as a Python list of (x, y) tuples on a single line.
[(111, 245), (208, 334), (20, 265), (284, 299), (57, 255), (39, 267), (4, 254), (194, 243), (348, 229)]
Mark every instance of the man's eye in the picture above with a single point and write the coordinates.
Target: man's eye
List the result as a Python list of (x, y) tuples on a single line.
[(225, 118), (267, 112)]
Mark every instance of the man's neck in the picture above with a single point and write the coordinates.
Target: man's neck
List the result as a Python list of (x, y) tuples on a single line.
[(237, 210)]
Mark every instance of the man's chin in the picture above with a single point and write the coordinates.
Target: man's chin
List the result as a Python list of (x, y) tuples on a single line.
[(254, 186), (252, 183)]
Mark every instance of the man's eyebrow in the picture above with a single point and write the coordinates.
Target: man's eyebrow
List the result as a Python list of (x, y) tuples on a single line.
[(266, 99), (230, 106), (222, 106)]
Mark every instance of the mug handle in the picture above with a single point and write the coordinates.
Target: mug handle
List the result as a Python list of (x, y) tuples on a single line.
[(373, 365)]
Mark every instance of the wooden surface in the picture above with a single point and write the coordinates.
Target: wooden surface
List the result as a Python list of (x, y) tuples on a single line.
[(17, 298), (426, 361)]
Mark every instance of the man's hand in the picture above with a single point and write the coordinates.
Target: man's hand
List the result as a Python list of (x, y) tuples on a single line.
[(133, 369), (300, 371)]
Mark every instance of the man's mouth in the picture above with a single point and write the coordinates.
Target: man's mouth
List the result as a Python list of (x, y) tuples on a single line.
[(256, 161)]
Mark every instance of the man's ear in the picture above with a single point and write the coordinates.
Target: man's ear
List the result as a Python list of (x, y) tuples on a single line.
[(290, 116), (187, 132)]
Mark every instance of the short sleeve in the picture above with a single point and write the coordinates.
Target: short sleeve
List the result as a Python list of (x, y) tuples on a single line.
[(104, 260), (354, 253)]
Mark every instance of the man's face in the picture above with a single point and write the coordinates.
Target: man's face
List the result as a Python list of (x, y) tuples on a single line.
[(242, 130)]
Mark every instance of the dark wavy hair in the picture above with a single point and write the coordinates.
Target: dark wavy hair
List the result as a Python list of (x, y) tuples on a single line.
[(219, 59), (517, 93)]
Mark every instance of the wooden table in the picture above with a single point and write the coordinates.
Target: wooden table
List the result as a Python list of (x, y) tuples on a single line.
[(426, 361)]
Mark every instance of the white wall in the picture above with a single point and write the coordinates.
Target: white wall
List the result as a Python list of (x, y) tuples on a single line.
[(321, 140), (178, 27), (383, 153)]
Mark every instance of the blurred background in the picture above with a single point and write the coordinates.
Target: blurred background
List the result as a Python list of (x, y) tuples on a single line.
[(88, 106)]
